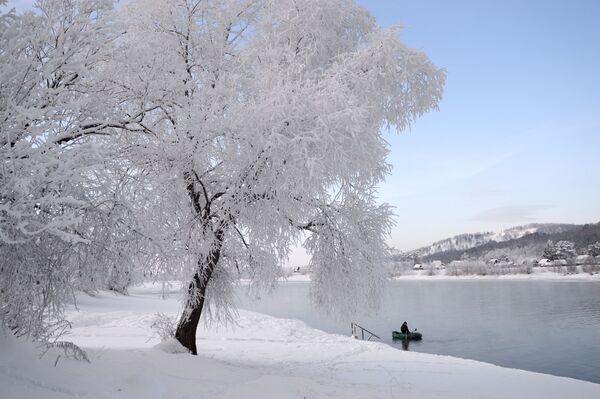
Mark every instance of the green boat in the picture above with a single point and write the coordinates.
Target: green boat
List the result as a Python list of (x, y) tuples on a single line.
[(410, 336)]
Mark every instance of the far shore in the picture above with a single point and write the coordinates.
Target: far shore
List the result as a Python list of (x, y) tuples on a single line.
[(538, 273)]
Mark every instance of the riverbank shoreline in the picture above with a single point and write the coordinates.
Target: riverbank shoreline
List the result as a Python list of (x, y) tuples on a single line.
[(259, 356), (541, 274)]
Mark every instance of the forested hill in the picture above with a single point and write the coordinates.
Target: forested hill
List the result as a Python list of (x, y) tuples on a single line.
[(521, 237)]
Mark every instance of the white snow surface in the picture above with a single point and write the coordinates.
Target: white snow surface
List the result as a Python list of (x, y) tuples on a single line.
[(261, 357)]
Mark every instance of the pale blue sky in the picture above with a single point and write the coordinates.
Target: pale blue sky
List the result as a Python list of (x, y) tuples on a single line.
[(517, 137)]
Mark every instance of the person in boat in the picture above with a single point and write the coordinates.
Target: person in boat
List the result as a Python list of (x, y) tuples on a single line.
[(404, 329)]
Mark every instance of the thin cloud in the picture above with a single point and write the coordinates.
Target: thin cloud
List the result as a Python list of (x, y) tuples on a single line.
[(511, 213), (482, 193)]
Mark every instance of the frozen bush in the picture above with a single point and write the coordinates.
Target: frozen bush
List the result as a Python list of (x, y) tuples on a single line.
[(164, 326)]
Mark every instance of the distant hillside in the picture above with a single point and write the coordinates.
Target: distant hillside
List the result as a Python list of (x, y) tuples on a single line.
[(477, 245), (467, 241)]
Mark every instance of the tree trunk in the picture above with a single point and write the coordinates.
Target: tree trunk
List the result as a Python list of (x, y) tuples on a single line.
[(186, 329)]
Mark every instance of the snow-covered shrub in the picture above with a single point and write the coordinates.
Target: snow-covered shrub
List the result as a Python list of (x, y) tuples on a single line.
[(572, 269), (164, 326), (558, 269), (430, 269), (591, 269), (453, 270)]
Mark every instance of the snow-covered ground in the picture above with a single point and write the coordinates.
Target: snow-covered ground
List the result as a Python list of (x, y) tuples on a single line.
[(261, 357)]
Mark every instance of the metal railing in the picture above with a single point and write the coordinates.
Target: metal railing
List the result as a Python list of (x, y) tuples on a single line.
[(363, 330)]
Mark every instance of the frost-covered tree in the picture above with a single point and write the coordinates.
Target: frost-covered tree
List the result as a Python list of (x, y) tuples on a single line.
[(560, 250), (594, 249), (53, 118), (261, 128), (201, 142), (48, 105)]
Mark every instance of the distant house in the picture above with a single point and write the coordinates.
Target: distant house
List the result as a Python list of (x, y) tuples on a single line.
[(545, 262), (438, 265), (418, 266), (502, 260)]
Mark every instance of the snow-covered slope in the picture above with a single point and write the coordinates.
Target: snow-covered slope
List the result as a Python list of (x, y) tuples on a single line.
[(459, 242), (261, 357), (471, 240)]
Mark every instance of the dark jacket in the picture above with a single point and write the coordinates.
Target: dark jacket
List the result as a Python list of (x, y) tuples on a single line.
[(404, 329)]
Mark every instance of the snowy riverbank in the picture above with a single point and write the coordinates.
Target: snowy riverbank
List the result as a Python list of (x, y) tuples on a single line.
[(538, 273), (262, 357)]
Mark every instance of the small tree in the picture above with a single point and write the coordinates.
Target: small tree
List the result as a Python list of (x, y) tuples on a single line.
[(560, 250), (594, 249)]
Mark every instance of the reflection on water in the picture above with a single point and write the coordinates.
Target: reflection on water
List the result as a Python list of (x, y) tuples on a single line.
[(405, 343), (546, 326)]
